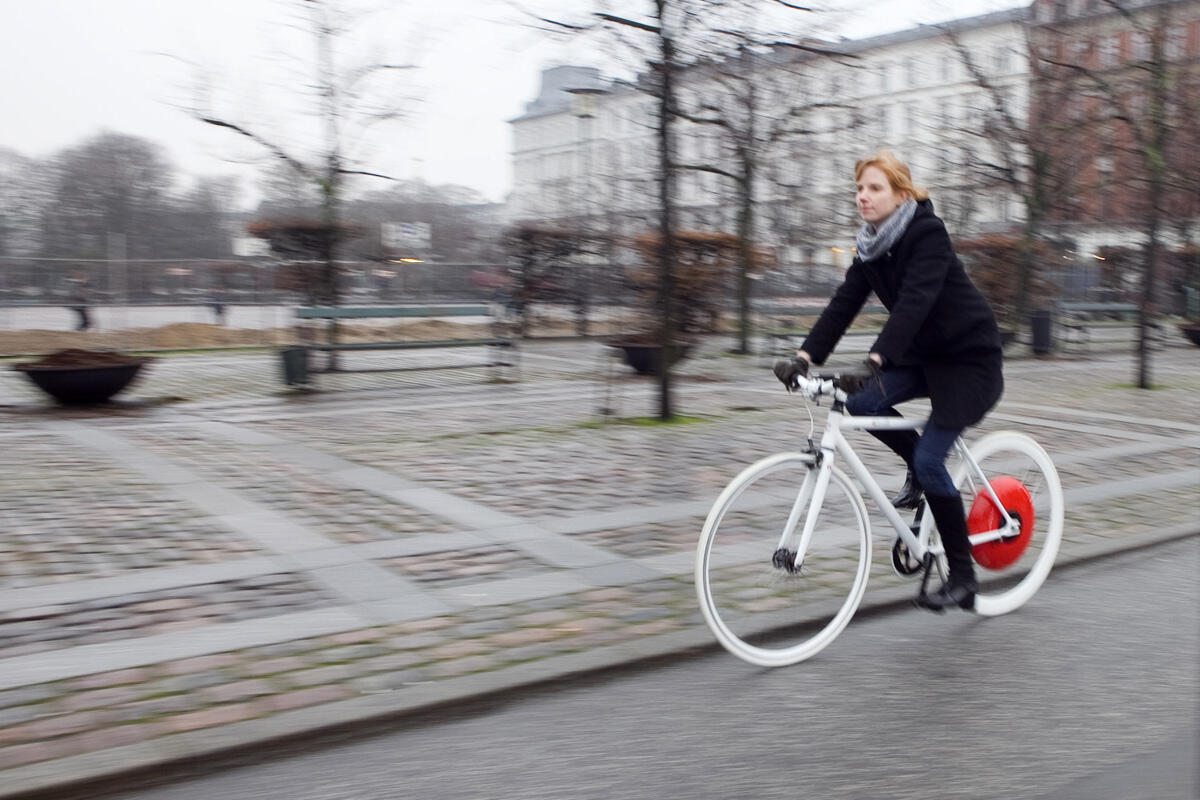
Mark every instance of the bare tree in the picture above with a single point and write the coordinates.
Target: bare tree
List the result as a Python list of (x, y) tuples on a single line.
[(757, 108), (665, 38), (1018, 148), (112, 184), (342, 103), (1137, 112), (24, 191), (538, 260)]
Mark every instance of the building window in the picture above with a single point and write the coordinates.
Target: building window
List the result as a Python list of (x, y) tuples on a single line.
[(910, 72), (947, 68), (1006, 101), (1000, 60), (975, 111), (883, 77), (1137, 103), (1077, 51), (1176, 42), (1110, 48), (1141, 46), (909, 124)]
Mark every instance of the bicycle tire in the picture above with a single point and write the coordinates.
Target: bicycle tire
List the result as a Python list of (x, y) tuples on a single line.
[(1004, 456), (758, 611)]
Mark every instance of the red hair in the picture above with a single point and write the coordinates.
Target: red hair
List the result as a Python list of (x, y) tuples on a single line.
[(895, 170)]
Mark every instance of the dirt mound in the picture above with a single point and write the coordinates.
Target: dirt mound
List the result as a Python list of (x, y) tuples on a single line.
[(73, 357), (178, 336), (196, 335)]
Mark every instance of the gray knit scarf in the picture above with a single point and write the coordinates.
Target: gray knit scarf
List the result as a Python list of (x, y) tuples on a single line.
[(873, 242)]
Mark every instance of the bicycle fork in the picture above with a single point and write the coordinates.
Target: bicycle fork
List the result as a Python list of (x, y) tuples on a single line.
[(810, 496)]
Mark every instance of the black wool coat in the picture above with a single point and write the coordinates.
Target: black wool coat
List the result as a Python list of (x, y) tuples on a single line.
[(937, 320)]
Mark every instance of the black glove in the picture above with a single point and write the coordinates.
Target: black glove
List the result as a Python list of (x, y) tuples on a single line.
[(855, 380), (788, 370)]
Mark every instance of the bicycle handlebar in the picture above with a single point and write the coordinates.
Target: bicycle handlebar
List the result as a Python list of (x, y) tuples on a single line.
[(816, 386)]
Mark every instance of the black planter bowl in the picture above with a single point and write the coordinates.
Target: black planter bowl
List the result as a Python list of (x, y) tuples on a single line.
[(646, 359), (1192, 332), (83, 384)]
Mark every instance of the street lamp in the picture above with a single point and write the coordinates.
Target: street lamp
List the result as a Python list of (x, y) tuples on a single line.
[(583, 106)]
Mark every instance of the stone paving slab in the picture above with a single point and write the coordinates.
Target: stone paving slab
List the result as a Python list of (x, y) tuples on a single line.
[(118, 520), (433, 540)]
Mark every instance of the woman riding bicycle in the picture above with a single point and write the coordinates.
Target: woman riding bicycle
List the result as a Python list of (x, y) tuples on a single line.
[(940, 341)]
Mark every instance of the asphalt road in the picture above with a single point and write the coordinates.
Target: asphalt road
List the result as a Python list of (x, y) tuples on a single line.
[(1090, 691)]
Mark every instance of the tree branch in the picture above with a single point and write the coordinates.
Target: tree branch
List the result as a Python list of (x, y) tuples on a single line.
[(629, 23), (362, 72), (364, 172), (278, 151), (566, 25), (718, 121)]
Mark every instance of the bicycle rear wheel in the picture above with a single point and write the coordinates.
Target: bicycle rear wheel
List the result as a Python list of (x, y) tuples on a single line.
[(1025, 480), (759, 611)]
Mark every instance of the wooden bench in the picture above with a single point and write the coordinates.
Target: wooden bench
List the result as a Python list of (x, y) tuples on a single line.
[(298, 369), (1099, 311), (1077, 319), (783, 328)]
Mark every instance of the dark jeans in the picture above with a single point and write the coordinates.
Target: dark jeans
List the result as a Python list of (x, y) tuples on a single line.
[(925, 454)]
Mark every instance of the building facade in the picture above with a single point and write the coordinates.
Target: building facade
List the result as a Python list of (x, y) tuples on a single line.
[(587, 158), (1122, 84)]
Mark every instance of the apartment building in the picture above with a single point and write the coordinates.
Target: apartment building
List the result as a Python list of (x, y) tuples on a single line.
[(584, 150), (1122, 86)]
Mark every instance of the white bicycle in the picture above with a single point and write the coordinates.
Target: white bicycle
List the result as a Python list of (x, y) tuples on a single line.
[(776, 592)]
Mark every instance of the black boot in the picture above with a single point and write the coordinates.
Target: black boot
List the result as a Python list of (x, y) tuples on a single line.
[(949, 595), (910, 493), (959, 590)]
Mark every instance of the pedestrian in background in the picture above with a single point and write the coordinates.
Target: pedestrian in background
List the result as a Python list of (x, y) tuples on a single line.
[(79, 302)]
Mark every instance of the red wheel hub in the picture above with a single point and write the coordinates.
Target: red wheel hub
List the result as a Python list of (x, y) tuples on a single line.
[(984, 517)]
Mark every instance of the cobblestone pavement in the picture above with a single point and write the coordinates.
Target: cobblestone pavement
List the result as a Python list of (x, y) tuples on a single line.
[(214, 561)]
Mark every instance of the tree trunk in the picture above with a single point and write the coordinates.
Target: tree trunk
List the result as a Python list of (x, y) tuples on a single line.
[(1147, 308), (1034, 206), (667, 255), (745, 230), (331, 186), (1154, 150)]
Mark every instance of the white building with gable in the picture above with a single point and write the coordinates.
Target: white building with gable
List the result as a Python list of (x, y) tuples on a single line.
[(584, 150)]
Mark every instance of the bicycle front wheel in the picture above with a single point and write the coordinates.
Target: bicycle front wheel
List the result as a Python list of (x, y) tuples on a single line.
[(1024, 479), (758, 609)]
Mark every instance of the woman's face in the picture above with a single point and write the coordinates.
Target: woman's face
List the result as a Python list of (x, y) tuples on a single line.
[(875, 196)]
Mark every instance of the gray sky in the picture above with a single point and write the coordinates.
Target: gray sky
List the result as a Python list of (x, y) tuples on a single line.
[(69, 68)]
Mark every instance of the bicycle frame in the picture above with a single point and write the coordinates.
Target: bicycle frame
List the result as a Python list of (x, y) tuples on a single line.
[(834, 443)]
